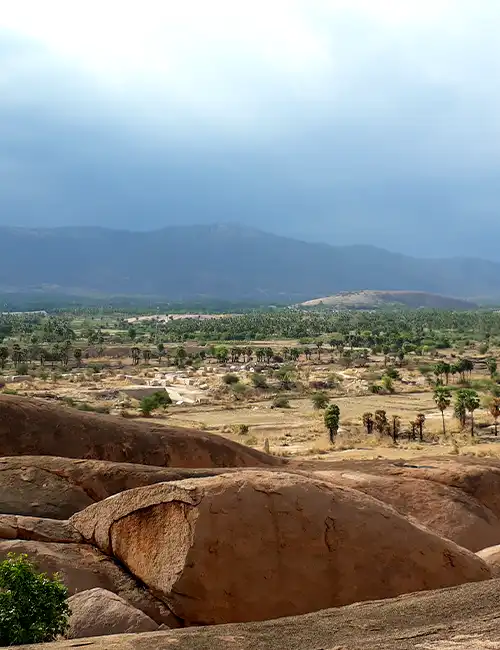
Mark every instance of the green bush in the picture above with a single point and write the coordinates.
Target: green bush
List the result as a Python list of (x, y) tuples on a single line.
[(320, 400), (281, 403), (258, 380), (230, 379), (33, 607), (160, 399), (22, 368)]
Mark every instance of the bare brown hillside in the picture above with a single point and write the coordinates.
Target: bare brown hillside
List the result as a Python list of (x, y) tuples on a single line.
[(378, 299)]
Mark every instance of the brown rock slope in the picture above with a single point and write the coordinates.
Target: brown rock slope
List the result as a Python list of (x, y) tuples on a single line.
[(461, 618), (97, 612), (254, 545), (491, 556), (56, 488), (448, 509), (35, 427)]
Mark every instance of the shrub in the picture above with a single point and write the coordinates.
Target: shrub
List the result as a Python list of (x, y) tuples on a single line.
[(22, 368), (281, 403), (230, 379), (320, 400), (392, 373), (33, 607), (387, 384), (154, 401), (258, 380), (243, 429)]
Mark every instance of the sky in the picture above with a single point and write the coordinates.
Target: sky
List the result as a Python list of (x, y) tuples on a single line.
[(343, 121)]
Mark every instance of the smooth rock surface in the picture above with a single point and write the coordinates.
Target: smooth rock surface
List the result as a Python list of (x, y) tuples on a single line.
[(254, 545), (97, 612)]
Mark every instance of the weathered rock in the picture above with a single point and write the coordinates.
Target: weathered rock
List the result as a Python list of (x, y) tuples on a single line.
[(461, 618), (255, 545), (439, 505), (35, 427), (51, 487), (37, 529), (491, 556), (83, 568), (97, 612)]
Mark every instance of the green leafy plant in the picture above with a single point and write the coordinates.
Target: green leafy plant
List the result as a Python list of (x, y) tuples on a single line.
[(160, 399), (320, 400), (33, 607), (281, 403)]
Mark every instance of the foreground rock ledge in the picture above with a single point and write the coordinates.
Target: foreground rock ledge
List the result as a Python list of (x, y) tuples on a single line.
[(462, 618), (255, 545)]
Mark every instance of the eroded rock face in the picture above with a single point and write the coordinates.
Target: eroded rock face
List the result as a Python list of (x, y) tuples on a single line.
[(35, 427), (38, 529), (56, 488), (83, 568), (98, 612), (256, 545)]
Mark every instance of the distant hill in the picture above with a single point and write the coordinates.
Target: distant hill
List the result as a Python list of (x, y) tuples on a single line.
[(221, 262), (379, 299)]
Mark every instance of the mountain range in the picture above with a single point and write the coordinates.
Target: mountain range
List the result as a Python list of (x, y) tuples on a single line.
[(223, 262)]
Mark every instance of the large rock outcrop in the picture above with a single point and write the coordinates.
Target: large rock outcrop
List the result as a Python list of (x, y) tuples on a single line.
[(34, 427), (255, 545), (97, 612), (83, 567), (56, 488)]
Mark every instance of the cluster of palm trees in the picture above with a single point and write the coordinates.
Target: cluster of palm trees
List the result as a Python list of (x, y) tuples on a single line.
[(466, 401), (379, 422), (57, 353)]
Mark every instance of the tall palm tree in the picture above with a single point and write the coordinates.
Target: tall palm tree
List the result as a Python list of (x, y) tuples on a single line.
[(442, 398)]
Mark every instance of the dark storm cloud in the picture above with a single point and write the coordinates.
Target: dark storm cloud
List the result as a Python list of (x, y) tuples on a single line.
[(328, 122)]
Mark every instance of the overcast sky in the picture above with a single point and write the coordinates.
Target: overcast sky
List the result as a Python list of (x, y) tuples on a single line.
[(346, 121)]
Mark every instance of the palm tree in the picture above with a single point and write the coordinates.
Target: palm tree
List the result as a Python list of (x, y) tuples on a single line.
[(135, 353), (472, 403), (368, 422), (396, 425), (420, 421), (77, 353), (4, 355), (442, 397), (319, 345), (332, 418), (380, 422), (492, 367), (495, 411), (459, 408)]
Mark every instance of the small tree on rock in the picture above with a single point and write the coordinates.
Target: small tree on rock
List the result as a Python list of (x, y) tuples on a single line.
[(33, 607)]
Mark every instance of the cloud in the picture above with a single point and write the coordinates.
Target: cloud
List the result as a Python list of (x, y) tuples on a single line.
[(349, 120)]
